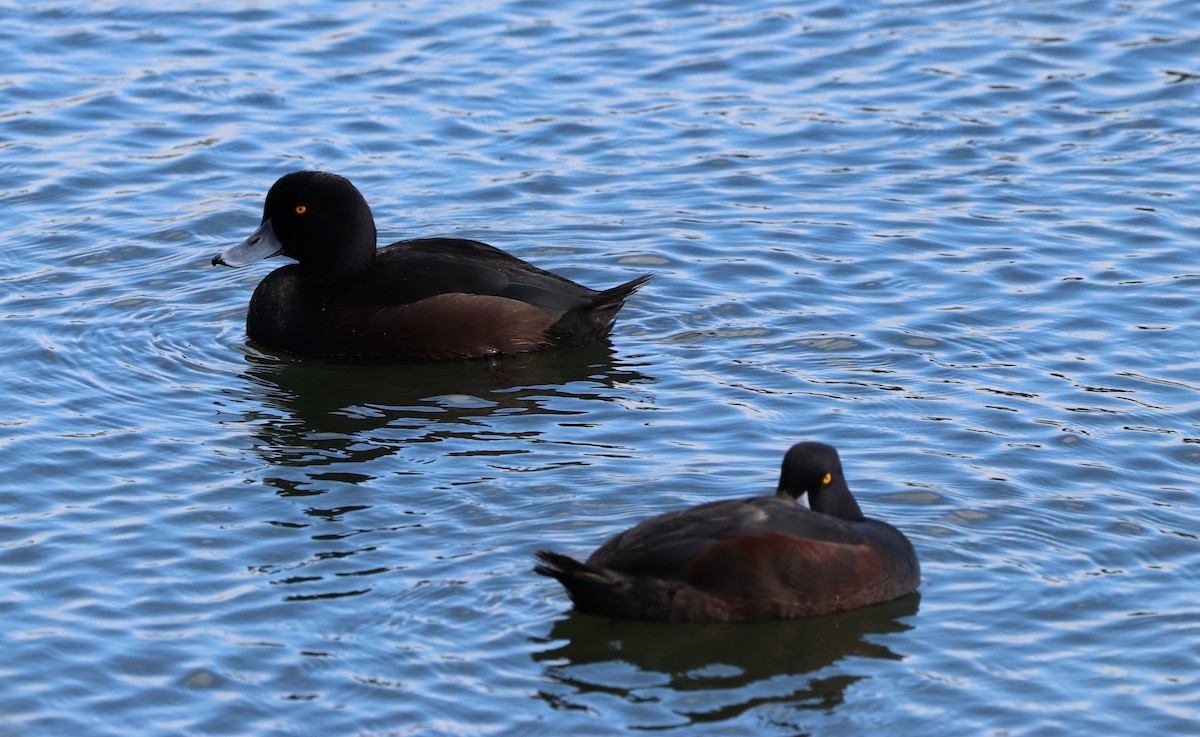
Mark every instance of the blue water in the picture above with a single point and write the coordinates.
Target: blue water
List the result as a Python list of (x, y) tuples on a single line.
[(954, 239)]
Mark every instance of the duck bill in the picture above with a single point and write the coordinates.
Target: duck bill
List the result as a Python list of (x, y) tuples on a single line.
[(261, 244)]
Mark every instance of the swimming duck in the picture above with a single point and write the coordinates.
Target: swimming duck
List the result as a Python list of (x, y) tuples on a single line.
[(424, 299), (766, 557)]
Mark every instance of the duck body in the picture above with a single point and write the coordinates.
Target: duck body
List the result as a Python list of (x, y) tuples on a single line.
[(760, 558), (422, 299)]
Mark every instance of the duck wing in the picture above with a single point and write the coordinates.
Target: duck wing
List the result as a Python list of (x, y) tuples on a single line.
[(665, 546), (412, 270)]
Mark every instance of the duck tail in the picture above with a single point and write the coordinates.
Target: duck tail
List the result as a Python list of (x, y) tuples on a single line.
[(559, 567), (610, 593), (618, 294), (595, 319), (592, 590)]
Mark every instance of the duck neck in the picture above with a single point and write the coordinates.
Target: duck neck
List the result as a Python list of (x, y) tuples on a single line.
[(349, 264), (835, 500)]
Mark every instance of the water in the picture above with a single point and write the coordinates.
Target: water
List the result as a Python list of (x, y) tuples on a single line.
[(956, 240)]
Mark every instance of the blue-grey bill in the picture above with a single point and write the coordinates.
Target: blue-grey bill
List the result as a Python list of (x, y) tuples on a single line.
[(261, 244)]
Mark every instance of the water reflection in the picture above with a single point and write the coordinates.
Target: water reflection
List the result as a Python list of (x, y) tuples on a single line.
[(310, 413), (317, 427), (738, 666)]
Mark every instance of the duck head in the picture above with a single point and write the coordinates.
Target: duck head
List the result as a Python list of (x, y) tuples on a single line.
[(815, 469), (319, 219)]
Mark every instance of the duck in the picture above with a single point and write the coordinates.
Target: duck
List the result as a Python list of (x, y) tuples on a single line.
[(420, 299), (749, 559)]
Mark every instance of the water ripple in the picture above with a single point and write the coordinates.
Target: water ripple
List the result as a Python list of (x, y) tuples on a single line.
[(952, 239)]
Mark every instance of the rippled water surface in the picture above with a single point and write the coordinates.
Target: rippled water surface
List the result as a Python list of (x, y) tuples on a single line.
[(955, 239)]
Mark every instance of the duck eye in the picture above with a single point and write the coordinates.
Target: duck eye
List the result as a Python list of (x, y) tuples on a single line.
[(828, 478), (301, 209)]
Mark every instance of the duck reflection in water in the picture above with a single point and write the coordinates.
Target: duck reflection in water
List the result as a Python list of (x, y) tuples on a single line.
[(738, 667), (319, 412)]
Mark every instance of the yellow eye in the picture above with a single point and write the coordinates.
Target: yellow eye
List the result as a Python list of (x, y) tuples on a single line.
[(301, 209), (827, 479)]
